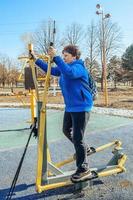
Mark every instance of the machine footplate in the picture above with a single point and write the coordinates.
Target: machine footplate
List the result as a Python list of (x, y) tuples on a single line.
[(94, 175)]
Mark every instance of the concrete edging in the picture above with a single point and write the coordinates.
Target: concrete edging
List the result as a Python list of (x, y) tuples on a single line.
[(99, 110)]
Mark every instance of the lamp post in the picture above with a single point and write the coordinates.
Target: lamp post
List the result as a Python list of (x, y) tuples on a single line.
[(104, 66)]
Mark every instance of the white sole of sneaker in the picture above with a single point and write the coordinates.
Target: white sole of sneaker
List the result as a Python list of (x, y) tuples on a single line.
[(84, 178)]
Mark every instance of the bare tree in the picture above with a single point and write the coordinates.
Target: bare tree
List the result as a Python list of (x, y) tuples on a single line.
[(112, 41), (92, 48), (8, 67), (94, 70), (3, 75), (14, 74), (113, 38), (73, 34), (3, 70), (42, 38), (9, 72)]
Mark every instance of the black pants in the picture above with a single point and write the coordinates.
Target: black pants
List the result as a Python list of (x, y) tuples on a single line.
[(74, 124)]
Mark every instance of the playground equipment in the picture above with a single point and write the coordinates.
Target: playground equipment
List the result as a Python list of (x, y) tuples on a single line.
[(49, 175)]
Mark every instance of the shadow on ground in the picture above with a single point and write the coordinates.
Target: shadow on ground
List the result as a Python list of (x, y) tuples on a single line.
[(69, 192)]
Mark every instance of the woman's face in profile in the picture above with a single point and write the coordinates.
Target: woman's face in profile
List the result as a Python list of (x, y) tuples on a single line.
[(68, 58)]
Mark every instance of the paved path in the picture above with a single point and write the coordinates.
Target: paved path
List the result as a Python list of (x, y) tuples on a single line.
[(101, 129)]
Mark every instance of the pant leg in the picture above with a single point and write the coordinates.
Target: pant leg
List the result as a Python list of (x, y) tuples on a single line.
[(67, 125), (79, 122)]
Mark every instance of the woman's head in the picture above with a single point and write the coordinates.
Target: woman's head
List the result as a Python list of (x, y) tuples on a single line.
[(71, 53)]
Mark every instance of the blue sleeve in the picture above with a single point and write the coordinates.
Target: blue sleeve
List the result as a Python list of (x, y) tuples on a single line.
[(76, 71), (44, 66)]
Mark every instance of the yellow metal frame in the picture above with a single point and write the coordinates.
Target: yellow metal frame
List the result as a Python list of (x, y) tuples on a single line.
[(58, 178), (105, 171), (42, 126), (117, 145), (119, 168), (34, 94)]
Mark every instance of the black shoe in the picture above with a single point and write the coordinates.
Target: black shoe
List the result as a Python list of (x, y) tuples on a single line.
[(79, 176), (90, 150)]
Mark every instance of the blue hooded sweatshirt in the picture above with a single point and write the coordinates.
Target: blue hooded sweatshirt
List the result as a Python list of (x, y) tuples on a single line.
[(76, 97)]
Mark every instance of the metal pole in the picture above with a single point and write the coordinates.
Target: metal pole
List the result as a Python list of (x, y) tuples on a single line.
[(104, 62), (33, 92), (54, 32)]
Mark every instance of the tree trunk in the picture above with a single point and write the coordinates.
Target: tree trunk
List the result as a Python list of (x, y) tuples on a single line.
[(102, 81), (3, 84), (115, 81), (132, 83)]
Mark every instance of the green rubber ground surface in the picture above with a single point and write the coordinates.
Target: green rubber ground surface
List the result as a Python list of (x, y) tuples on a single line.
[(12, 119)]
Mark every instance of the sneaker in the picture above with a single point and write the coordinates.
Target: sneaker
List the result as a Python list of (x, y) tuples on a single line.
[(81, 176), (90, 150)]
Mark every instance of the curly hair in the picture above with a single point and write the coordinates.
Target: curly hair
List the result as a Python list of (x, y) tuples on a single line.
[(73, 50)]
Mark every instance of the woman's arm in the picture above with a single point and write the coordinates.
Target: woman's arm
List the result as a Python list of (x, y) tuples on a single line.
[(74, 71), (44, 66)]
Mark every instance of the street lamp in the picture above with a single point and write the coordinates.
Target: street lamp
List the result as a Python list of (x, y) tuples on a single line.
[(104, 67)]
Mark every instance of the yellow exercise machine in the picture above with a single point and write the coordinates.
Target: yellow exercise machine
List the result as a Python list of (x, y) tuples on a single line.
[(49, 175)]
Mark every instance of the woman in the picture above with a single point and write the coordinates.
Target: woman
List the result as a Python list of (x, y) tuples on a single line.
[(78, 102)]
